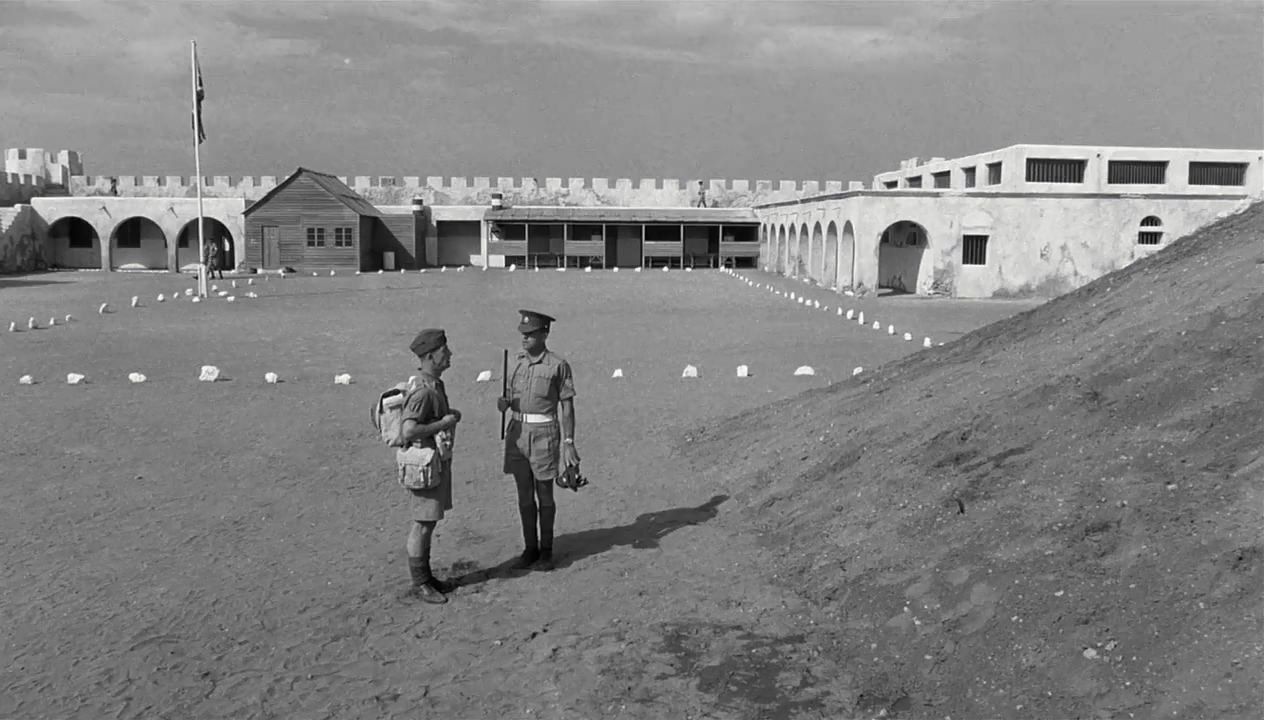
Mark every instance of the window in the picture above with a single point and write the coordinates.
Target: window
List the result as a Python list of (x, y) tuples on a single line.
[(994, 173), (342, 237), (969, 175), (1217, 173), (315, 237), (127, 237), (386, 181), (942, 179), (891, 184), (974, 250), (1151, 231), (1049, 170), (915, 182), (1136, 172)]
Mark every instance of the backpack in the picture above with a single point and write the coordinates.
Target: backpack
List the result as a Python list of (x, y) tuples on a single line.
[(387, 413)]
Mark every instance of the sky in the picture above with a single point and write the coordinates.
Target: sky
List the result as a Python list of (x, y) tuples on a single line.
[(687, 89)]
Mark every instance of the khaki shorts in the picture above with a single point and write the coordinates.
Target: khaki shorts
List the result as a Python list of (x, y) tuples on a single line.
[(535, 447), (429, 505)]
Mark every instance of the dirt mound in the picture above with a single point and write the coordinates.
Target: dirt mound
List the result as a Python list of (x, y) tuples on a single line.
[(1058, 515)]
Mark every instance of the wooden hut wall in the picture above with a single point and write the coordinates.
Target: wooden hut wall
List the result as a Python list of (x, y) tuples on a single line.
[(301, 205)]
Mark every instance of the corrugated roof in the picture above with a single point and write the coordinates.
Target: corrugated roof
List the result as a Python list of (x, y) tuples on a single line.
[(329, 184), (615, 215)]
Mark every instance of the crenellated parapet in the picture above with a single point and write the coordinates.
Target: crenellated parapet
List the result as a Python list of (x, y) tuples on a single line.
[(18, 188), (391, 190)]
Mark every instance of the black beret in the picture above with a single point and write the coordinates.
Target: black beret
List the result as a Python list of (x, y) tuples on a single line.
[(427, 341), (532, 321)]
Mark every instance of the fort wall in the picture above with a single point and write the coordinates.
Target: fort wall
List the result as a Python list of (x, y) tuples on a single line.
[(18, 188), (20, 246), (388, 190)]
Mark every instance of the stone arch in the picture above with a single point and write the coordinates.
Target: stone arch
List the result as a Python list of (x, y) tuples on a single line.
[(816, 268), (792, 254), (782, 249), (847, 257), (802, 269), (829, 276), (74, 243), (214, 231), (901, 250), (138, 243)]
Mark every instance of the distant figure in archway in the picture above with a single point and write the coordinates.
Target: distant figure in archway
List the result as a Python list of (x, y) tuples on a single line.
[(212, 259)]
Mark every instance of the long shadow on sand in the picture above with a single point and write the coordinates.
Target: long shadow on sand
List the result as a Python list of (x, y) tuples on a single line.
[(644, 533)]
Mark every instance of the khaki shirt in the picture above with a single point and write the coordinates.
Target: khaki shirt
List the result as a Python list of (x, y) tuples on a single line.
[(538, 386), (426, 404)]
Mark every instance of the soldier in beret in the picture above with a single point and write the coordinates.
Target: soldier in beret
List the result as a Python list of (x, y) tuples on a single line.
[(540, 438), (428, 421)]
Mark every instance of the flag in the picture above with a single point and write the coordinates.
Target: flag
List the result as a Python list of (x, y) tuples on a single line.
[(200, 94)]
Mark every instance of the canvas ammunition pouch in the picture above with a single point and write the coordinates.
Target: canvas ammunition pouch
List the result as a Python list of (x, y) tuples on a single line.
[(419, 468)]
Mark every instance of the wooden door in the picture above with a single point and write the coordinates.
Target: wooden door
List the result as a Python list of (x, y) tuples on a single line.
[(271, 247)]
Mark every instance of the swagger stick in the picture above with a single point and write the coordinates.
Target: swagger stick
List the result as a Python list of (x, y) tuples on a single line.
[(504, 387)]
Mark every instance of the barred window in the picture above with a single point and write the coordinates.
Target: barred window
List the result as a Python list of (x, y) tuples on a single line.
[(315, 237), (342, 237), (1217, 173), (942, 179), (969, 175), (1136, 172), (1051, 170), (994, 173), (974, 249), (1151, 231)]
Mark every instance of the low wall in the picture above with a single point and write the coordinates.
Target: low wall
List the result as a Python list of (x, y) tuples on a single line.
[(384, 190)]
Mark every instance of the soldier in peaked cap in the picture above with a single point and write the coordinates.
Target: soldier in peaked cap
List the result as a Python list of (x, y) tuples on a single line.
[(428, 421), (540, 438)]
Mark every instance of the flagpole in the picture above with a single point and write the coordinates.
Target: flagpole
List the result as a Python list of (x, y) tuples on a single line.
[(197, 163)]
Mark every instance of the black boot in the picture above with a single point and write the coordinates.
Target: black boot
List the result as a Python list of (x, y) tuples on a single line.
[(419, 568), (527, 513), (434, 582), (547, 514)]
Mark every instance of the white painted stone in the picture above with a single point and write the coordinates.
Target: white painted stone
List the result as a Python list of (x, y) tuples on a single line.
[(401, 271), (234, 283), (561, 269), (342, 379), (857, 371), (74, 378), (877, 325), (270, 378), (214, 288), (484, 376), (513, 266), (688, 269), (816, 303), (26, 380), (840, 312), (135, 301), (357, 272), (665, 268), (136, 377), (196, 299), (52, 322), (209, 373), (800, 301), (188, 291), (743, 371), (443, 269), (251, 281), (421, 271), (230, 298), (890, 329), (926, 342), (792, 296), (908, 337), (861, 317), (69, 318), (588, 269), (537, 268), (637, 270), (849, 293), (804, 370), (379, 272), (313, 273), (13, 327), (618, 373), (690, 372), (614, 269), (31, 324), (222, 293)]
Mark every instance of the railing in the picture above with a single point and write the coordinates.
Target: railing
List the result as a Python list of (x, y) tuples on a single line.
[(516, 248), (663, 248)]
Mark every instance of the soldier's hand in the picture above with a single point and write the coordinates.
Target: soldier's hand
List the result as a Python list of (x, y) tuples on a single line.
[(449, 421), (503, 404), (455, 413), (570, 456)]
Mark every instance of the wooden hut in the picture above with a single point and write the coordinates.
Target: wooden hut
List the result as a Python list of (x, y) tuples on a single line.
[(313, 221)]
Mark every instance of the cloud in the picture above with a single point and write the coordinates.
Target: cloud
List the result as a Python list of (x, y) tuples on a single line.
[(772, 34)]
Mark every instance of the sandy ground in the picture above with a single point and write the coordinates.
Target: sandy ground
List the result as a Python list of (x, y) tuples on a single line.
[(179, 549)]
